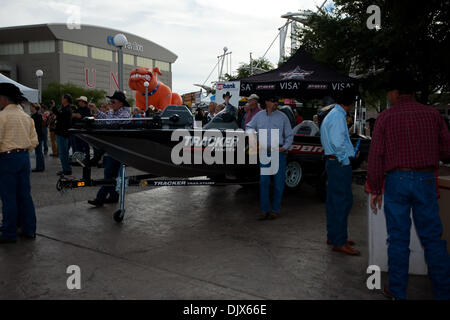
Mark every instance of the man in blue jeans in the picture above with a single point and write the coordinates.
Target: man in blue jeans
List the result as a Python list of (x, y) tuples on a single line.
[(338, 152), (275, 122), (63, 124), (408, 141), (119, 109), (17, 138)]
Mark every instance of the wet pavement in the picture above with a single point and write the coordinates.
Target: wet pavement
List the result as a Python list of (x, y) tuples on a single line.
[(186, 243)]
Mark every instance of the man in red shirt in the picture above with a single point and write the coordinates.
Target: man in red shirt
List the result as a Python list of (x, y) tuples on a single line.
[(408, 141)]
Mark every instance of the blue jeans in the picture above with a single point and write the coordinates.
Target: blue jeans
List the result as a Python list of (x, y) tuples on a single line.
[(339, 201), (278, 182), (406, 190), (111, 171), (15, 191), (63, 152), (40, 162), (45, 139)]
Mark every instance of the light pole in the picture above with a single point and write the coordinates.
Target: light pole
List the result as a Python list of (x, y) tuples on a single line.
[(119, 41), (146, 84), (39, 74)]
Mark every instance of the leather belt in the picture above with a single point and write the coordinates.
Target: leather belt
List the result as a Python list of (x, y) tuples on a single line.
[(331, 157), (426, 169), (13, 151)]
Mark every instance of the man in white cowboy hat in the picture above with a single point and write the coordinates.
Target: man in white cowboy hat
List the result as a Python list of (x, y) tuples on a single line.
[(82, 112), (251, 109)]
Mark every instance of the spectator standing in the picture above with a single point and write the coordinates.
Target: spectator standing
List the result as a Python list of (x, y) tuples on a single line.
[(45, 117), (81, 112), (51, 127), (251, 109), (37, 118), (211, 111), (63, 124), (408, 141), (269, 119), (119, 109), (17, 138), (338, 151)]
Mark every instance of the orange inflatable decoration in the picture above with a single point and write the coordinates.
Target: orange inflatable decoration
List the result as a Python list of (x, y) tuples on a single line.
[(159, 95)]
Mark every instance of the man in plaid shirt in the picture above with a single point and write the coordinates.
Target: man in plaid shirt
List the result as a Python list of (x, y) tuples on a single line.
[(408, 141)]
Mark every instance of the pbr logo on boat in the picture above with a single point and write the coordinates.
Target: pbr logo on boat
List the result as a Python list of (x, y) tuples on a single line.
[(213, 147)]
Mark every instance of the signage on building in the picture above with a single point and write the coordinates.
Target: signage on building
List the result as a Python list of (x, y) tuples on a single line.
[(129, 45)]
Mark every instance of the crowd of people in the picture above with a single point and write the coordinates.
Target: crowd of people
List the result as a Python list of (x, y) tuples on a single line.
[(400, 172)]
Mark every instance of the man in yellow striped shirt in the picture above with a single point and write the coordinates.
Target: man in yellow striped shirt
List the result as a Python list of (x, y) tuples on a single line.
[(17, 138)]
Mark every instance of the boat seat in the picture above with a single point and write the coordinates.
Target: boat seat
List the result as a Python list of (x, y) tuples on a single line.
[(306, 128)]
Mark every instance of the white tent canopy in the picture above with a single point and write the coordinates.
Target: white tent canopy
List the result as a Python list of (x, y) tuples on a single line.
[(31, 94)]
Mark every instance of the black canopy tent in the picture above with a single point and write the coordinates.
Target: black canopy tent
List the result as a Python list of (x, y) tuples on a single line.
[(301, 77)]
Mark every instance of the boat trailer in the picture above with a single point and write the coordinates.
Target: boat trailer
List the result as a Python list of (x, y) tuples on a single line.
[(65, 183)]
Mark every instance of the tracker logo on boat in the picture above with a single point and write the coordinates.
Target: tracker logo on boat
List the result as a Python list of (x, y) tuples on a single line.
[(208, 147)]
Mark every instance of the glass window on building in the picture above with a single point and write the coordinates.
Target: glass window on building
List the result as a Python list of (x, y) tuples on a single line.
[(47, 46), (101, 54), (144, 62), (128, 59), (163, 66), (75, 49), (11, 48)]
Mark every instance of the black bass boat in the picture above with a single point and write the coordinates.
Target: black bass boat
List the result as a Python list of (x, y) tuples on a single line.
[(167, 145)]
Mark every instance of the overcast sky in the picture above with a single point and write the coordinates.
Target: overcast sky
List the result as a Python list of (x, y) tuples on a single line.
[(195, 30)]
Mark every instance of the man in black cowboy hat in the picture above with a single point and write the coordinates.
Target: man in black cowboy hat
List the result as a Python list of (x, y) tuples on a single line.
[(119, 109), (229, 113), (229, 108), (17, 138)]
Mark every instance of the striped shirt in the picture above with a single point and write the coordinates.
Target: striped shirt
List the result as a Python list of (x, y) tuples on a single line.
[(17, 129)]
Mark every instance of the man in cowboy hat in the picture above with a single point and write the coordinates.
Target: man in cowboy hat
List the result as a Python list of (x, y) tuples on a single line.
[(272, 121), (119, 109), (17, 137), (229, 108), (229, 113), (82, 112), (63, 124), (251, 109)]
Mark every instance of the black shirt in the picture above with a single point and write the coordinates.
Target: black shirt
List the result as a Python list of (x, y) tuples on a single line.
[(37, 124), (63, 120)]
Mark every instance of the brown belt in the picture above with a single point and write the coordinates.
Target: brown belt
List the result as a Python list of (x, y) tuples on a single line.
[(331, 157), (13, 151), (426, 169)]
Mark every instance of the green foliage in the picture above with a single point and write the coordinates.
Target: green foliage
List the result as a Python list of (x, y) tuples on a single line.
[(413, 36), (55, 90), (244, 69)]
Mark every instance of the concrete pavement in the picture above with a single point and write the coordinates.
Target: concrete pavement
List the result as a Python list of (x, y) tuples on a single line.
[(187, 243)]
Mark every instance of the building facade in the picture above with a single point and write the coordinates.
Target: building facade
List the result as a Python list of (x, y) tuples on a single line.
[(85, 57)]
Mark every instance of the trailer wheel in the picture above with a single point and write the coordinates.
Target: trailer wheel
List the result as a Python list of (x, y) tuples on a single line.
[(294, 174), (118, 216)]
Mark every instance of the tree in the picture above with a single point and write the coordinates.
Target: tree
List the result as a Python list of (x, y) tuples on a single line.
[(414, 36), (55, 90), (259, 65)]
